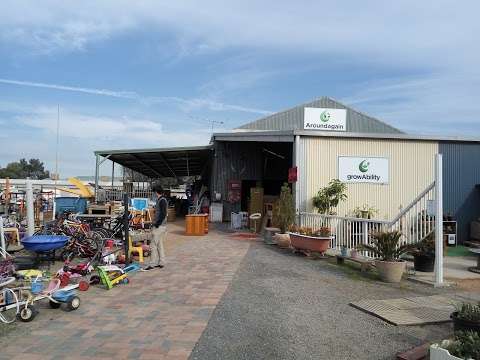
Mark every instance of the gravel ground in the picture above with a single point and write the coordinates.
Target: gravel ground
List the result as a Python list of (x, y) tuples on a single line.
[(285, 306)]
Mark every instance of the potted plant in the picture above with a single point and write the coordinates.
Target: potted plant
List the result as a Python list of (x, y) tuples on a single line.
[(466, 317), (465, 346), (308, 239), (329, 197), (365, 212), (386, 246), (423, 254), (285, 215)]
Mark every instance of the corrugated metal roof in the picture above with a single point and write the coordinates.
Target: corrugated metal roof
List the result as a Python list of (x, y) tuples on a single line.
[(163, 162), (259, 135), (292, 119)]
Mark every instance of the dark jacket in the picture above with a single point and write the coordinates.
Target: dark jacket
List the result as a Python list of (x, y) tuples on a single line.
[(160, 212)]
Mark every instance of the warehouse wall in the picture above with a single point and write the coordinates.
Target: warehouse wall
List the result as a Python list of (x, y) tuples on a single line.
[(461, 172), (411, 168), (234, 160)]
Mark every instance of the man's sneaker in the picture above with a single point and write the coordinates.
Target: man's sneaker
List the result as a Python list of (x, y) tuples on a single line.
[(160, 266), (148, 268)]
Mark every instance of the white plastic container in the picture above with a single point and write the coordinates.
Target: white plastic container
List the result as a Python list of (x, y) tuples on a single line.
[(236, 220), (216, 212)]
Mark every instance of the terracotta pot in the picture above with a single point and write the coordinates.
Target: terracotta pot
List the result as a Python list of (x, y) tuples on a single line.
[(310, 243), (390, 271), (283, 240)]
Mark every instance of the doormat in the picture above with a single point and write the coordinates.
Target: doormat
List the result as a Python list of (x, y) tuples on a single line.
[(409, 311)]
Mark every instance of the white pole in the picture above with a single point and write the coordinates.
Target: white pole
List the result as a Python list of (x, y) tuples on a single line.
[(2, 239), (438, 220), (29, 205), (56, 160)]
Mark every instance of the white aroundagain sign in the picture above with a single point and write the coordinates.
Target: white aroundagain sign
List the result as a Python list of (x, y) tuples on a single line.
[(353, 169), (325, 119)]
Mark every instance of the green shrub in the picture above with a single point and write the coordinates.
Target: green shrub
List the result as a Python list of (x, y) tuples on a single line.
[(466, 345), (467, 311), (286, 209), (329, 197)]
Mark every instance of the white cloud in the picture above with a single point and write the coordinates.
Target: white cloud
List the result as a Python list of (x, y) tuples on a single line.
[(442, 103), (403, 33), (187, 104), (82, 134)]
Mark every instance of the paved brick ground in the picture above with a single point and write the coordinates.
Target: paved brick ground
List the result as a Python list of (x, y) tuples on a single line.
[(159, 315)]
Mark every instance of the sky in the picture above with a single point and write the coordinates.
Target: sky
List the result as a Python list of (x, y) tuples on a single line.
[(133, 74)]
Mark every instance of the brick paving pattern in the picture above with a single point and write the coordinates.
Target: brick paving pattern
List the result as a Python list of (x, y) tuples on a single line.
[(159, 315)]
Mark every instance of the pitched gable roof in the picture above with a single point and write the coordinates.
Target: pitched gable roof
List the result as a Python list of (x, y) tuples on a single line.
[(292, 119)]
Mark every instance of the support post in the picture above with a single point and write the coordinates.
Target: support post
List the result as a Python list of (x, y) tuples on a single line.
[(97, 168), (2, 239), (126, 233), (113, 173), (438, 220), (29, 205), (296, 162)]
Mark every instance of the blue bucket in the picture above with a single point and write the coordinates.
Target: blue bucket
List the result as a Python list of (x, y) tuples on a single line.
[(37, 287)]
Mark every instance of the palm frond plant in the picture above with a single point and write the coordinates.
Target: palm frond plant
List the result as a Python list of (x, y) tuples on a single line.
[(386, 245), (423, 254)]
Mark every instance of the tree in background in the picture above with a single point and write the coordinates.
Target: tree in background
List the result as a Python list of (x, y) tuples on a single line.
[(33, 169)]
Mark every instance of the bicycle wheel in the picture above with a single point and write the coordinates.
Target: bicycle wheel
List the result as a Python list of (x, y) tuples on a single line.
[(8, 313)]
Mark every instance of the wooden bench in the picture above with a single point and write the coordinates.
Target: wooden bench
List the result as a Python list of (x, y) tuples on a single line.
[(365, 264)]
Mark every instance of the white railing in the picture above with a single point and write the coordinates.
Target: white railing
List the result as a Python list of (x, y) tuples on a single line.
[(348, 232), (415, 222)]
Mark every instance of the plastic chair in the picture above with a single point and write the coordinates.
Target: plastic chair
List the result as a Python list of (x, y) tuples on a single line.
[(138, 250)]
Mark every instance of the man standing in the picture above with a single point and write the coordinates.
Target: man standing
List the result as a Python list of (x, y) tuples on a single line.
[(157, 259)]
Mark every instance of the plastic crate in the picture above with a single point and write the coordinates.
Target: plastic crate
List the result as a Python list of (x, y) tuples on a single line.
[(70, 204)]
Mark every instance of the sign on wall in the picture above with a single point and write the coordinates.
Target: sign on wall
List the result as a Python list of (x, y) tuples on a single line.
[(353, 169), (325, 119)]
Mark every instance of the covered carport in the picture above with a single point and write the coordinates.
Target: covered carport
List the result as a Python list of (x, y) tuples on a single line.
[(159, 163)]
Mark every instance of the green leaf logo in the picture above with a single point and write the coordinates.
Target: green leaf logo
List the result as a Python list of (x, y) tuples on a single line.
[(325, 116), (363, 166)]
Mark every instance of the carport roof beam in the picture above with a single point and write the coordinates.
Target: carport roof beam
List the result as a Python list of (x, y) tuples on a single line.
[(146, 165)]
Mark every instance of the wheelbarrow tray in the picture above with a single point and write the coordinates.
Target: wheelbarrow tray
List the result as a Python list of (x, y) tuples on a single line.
[(43, 243)]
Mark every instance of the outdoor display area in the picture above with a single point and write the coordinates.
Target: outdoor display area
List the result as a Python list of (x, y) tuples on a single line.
[(380, 204), (57, 261)]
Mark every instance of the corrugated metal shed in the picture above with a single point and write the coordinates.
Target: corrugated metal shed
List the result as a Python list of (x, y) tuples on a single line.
[(461, 174), (292, 119), (411, 170), (246, 161)]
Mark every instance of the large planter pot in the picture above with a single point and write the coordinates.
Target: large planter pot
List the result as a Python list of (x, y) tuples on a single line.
[(424, 263), (437, 352), (283, 240), (310, 243), (464, 325), (390, 271)]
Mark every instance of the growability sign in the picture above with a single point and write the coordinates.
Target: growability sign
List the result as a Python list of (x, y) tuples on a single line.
[(325, 119), (372, 170)]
